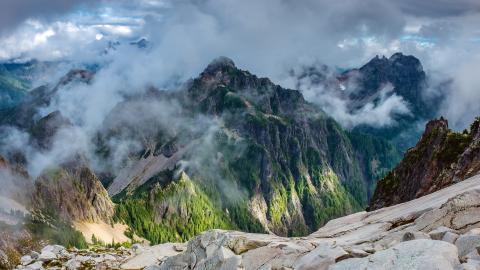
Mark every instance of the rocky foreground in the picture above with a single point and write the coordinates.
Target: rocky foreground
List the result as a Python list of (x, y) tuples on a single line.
[(437, 231)]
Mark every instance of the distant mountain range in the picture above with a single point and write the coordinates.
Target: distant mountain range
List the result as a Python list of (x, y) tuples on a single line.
[(227, 150)]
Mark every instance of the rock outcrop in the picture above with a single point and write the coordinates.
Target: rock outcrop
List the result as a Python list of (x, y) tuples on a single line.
[(72, 193), (441, 158), (438, 231)]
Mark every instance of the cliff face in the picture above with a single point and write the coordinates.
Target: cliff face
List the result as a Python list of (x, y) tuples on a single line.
[(72, 194), (441, 157)]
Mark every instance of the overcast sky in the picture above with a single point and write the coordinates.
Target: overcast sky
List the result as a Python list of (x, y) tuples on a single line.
[(267, 37)]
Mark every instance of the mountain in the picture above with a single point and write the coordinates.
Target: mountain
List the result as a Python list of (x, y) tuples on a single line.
[(441, 158), (404, 72), (406, 75), (24, 114), (400, 77), (17, 78), (227, 150), (290, 166)]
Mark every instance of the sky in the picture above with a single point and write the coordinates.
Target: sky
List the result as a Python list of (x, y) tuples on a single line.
[(266, 37), (270, 38)]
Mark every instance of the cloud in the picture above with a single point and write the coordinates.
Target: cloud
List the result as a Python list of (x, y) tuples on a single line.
[(439, 8), (461, 104), (14, 12), (266, 37), (322, 88)]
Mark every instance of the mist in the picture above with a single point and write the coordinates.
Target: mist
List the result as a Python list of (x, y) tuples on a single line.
[(268, 38)]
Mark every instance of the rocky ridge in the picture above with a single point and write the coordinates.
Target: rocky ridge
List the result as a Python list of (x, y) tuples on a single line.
[(437, 231), (441, 158)]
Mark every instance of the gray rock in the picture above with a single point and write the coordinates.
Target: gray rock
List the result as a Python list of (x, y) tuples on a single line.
[(473, 255), (468, 242), (82, 258), (34, 255), (152, 267), (35, 266), (72, 264), (26, 260), (438, 233), (47, 256), (179, 247), (55, 249), (450, 237), (419, 254), (109, 257), (471, 265), (320, 258)]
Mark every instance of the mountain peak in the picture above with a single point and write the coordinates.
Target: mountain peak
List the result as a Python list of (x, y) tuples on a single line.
[(219, 64), (436, 125)]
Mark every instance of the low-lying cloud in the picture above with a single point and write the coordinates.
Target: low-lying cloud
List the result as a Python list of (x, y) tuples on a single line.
[(265, 37)]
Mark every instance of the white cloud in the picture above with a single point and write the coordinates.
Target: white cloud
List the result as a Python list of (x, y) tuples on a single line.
[(265, 37)]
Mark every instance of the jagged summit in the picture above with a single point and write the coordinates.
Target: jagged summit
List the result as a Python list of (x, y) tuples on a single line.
[(395, 58), (221, 63), (435, 126)]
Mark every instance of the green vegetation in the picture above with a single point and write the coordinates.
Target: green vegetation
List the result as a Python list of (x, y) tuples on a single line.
[(99, 243), (243, 219), (453, 145), (56, 232), (376, 155), (176, 212), (329, 200)]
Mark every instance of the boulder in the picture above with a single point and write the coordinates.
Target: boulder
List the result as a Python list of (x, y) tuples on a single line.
[(422, 254), (147, 256), (450, 237), (47, 256), (468, 242), (34, 255), (27, 259), (55, 249), (72, 264), (320, 258), (35, 266), (438, 233)]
